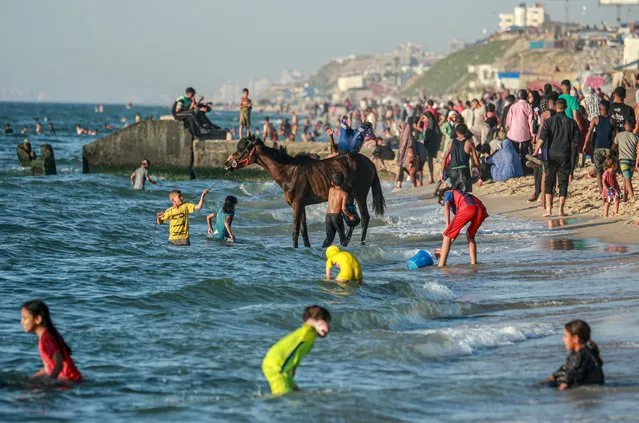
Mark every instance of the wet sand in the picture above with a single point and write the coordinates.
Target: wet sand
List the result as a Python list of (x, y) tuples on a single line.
[(584, 207)]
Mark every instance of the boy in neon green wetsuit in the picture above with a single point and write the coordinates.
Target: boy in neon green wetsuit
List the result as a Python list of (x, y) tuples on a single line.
[(281, 361), (349, 267)]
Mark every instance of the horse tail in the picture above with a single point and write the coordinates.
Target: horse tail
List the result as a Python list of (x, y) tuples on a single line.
[(379, 204)]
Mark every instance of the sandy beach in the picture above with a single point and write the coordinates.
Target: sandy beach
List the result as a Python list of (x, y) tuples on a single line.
[(583, 206)]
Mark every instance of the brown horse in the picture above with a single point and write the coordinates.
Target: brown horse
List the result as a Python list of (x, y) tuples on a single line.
[(306, 180)]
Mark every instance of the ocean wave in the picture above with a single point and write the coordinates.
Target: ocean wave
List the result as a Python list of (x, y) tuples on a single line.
[(394, 316), (466, 340)]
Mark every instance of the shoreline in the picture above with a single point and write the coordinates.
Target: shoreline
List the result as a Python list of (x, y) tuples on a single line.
[(584, 224), (613, 230)]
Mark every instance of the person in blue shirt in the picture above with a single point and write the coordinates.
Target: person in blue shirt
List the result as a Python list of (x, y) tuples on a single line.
[(505, 163), (222, 229), (351, 140)]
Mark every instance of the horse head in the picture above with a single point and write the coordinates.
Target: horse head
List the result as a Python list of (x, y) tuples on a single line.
[(245, 153)]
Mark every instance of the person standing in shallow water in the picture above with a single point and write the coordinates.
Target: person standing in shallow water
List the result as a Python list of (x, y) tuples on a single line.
[(141, 176), (467, 209), (337, 204), (178, 216)]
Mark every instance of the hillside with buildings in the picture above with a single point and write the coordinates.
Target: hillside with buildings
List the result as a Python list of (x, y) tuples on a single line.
[(354, 76), (527, 49), (460, 70)]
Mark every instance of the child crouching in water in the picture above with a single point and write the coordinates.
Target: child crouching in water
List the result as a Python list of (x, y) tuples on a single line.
[(349, 267), (54, 352), (583, 365), (224, 220), (283, 358), (610, 192)]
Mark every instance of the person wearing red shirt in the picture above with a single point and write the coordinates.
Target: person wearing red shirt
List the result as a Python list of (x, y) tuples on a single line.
[(467, 209), (54, 352)]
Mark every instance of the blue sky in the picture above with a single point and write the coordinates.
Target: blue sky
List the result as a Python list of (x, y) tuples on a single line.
[(145, 50)]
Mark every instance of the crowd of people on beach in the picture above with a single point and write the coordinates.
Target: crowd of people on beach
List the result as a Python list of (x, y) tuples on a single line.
[(548, 133)]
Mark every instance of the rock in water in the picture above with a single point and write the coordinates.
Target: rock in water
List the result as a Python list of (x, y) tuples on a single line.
[(25, 154), (48, 159)]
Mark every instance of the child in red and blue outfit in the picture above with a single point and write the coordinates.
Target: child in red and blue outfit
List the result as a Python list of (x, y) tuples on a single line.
[(467, 209)]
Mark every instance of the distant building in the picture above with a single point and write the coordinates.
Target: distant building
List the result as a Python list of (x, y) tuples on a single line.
[(229, 92), (484, 75), (346, 83), (631, 53), (524, 16)]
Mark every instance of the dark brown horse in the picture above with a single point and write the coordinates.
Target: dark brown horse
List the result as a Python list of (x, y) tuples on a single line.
[(306, 180)]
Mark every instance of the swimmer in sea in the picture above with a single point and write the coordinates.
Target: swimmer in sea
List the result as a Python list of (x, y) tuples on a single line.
[(349, 267), (583, 365), (283, 358), (57, 363), (224, 220)]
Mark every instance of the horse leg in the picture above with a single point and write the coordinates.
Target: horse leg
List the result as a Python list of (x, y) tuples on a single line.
[(349, 234), (307, 243), (365, 216), (297, 220)]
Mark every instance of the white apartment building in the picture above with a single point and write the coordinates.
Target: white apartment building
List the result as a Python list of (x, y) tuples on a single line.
[(524, 15)]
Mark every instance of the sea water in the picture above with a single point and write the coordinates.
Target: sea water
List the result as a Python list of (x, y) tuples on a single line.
[(162, 333)]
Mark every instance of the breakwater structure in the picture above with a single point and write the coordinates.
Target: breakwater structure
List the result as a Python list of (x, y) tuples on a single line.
[(173, 153)]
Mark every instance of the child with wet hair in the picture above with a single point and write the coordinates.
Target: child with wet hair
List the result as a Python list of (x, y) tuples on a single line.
[(283, 358), (224, 220), (54, 351), (610, 192), (583, 365)]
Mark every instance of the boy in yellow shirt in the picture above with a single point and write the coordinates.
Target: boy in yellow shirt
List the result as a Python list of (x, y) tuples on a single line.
[(349, 267), (179, 217), (283, 358)]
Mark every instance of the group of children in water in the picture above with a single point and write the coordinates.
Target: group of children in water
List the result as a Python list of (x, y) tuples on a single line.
[(583, 365)]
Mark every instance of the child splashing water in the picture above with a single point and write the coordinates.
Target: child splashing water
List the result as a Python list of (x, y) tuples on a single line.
[(54, 352), (224, 220), (583, 365)]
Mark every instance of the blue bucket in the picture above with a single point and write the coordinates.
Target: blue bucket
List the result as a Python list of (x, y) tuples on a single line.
[(422, 259)]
